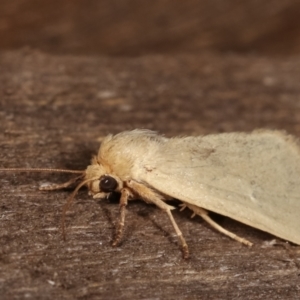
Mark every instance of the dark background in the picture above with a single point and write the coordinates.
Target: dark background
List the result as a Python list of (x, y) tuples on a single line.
[(72, 72), (134, 27)]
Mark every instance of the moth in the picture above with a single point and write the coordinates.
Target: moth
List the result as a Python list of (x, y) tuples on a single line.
[(253, 178)]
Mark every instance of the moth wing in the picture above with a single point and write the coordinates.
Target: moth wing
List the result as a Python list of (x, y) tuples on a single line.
[(253, 178)]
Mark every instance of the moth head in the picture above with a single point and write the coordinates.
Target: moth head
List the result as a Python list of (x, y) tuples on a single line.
[(101, 182)]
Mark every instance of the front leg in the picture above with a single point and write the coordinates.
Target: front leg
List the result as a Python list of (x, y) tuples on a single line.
[(125, 194), (59, 186)]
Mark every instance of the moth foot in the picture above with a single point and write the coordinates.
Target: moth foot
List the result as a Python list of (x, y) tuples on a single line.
[(50, 187), (185, 251), (118, 236), (182, 207)]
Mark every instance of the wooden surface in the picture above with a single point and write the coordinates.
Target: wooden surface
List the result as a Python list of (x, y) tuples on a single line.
[(54, 112)]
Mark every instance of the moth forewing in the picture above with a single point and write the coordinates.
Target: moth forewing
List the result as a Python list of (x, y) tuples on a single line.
[(253, 178)]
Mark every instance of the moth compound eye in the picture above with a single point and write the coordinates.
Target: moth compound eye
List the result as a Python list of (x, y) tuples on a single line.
[(107, 184)]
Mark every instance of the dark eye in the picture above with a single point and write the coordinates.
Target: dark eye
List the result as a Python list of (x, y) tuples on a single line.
[(107, 184)]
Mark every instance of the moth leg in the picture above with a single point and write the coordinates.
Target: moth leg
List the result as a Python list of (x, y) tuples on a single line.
[(59, 186), (125, 194), (204, 214), (151, 196)]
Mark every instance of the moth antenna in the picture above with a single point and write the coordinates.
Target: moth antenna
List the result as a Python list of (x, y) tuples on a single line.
[(69, 202), (49, 170)]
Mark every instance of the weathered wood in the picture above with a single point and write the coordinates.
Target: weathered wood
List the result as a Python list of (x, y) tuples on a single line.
[(54, 112)]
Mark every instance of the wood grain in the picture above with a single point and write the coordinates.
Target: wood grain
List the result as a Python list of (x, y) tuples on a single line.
[(54, 110)]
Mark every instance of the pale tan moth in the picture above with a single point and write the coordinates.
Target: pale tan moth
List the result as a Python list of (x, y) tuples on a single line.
[(253, 178)]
